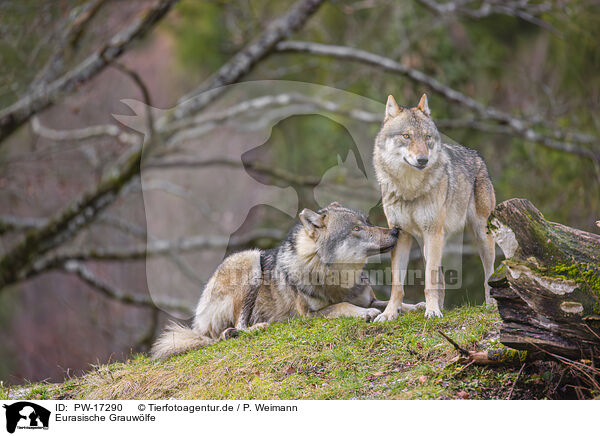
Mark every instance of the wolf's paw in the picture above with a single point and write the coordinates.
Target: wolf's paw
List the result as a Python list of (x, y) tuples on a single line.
[(229, 333), (370, 314), (412, 307), (429, 313), (386, 316), (258, 326)]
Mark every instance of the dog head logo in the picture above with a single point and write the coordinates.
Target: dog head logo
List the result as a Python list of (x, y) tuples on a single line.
[(26, 415)]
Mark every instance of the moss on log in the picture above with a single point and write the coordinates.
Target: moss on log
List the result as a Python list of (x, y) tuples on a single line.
[(548, 288)]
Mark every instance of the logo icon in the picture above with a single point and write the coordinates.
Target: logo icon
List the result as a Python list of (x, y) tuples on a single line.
[(26, 415)]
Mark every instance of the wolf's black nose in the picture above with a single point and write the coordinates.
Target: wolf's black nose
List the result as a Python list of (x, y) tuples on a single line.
[(422, 161), (395, 232)]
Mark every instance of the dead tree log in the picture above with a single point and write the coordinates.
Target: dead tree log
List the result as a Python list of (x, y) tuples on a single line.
[(548, 288)]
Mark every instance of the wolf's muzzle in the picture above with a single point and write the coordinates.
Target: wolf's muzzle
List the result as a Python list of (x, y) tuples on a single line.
[(394, 234)]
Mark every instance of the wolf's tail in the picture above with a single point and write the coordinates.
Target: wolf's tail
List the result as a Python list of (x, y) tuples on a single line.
[(177, 339)]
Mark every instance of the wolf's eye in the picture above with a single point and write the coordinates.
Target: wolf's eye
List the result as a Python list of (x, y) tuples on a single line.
[(406, 136), (356, 228), (428, 137)]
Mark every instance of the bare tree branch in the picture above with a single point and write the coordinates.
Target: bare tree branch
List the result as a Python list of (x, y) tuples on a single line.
[(41, 97), (191, 127), (522, 9), (69, 41), (82, 134), (66, 223), (518, 126), (243, 62), (278, 173), (135, 299), (140, 233), (10, 223), (145, 94), (123, 226), (153, 248)]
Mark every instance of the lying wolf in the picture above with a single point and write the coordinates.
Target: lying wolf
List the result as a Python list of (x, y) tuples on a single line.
[(316, 271), (431, 190)]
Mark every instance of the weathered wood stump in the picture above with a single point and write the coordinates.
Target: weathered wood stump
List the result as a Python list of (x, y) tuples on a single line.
[(548, 288)]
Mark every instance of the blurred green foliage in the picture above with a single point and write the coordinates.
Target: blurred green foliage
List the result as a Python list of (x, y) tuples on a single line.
[(201, 37)]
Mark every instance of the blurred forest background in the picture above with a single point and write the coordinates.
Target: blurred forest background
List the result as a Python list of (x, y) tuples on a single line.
[(517, 80)]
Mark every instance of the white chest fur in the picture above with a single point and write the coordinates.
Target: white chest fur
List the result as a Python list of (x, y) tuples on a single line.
[(424, 201)]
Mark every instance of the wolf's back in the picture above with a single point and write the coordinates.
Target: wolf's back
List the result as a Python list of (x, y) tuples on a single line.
[(178, 339)]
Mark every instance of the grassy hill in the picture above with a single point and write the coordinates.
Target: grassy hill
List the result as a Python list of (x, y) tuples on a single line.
[(317, 359)]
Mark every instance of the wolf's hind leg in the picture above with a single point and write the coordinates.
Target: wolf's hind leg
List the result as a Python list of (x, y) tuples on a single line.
[(367, 299), (406, 307), (486, 247), (412, 307), (350, 310), (379, 304), (485, 201)]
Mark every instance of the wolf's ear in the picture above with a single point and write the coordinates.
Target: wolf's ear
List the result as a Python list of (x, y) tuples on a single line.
[(423, 106), (391, 108), (311, 221), (334, 204)]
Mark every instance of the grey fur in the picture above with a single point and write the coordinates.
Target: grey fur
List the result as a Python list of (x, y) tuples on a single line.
[(431, 190)]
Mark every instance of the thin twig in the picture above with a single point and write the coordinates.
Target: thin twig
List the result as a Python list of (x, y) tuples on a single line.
[(69, 42), (515, 382), (244, 61), (137, 79), (460, 349), (464, 367), (153, 248), (520, 9)]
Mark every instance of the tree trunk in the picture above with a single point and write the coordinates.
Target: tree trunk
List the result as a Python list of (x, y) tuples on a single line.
[(548, 288)]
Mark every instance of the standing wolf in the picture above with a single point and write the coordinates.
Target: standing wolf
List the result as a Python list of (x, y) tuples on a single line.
[(430, 190), (316, 271)]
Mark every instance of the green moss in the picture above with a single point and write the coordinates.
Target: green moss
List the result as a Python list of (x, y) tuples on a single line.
[(545, 245), (581, 273), (585, 276), (511, 355)]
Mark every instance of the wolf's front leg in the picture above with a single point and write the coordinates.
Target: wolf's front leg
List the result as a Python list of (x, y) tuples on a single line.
[(367, 299), (400, 257), (349, 310), (434, 277), (232, 332)]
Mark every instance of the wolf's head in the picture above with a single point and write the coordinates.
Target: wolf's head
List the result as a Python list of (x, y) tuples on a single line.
[(408, 136), (339, 235)]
